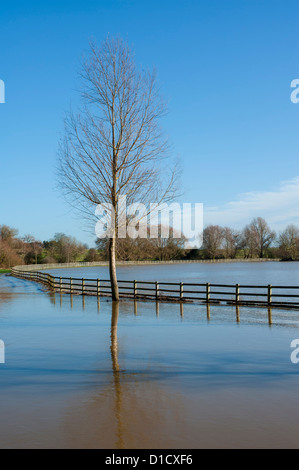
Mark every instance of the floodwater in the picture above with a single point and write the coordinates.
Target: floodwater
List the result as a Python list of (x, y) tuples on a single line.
[(257, 273), (79, 373)]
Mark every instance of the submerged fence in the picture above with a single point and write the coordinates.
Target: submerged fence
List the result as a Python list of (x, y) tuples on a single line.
[(237, 294)]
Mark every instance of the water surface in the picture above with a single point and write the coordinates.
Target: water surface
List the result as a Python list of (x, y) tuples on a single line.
[(257, 273), (83, 374)]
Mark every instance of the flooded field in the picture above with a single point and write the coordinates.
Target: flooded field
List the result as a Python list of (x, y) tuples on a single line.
[(79, 373), (259, 273)]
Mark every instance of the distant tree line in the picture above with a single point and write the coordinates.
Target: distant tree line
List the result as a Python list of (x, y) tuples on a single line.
[(166, 246), (255, 240), (16, 250)]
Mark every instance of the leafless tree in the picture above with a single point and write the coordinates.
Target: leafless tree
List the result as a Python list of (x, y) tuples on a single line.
[(170, 246), (138, 249), (257, 237), (92, 255), (68, 248), (288, 242), (114, 146), (248, 242), (212, 240), (7, 234), (8, 256), (231, 242), (32, 248)]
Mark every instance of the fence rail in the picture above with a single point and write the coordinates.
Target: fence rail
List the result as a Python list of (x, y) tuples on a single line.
[(237, 294)]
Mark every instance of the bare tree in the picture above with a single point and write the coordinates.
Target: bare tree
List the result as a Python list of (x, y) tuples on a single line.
[(170, 246), (258, 236), (212, 240), (8, 256), (248, 242), (289, 242), (92, 255), (68, 248), (114, 147), (231, 242), (32, 248), (161, 247), (7, 234)]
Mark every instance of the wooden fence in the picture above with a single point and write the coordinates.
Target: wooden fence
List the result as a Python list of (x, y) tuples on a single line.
[(237, 294)]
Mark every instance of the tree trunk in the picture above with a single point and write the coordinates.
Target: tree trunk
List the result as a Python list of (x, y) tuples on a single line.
[(112, 269)]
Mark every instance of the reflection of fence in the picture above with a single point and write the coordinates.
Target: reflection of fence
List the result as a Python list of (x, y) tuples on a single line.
[(274, 296)]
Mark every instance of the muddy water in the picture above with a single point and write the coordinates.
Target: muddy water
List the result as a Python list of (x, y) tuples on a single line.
[(83, 374)]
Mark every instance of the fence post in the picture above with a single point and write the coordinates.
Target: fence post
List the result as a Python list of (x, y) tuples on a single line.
[(237, 293), (71, 285), (157, 290), (135, 289), (269, 294), (60, 284), (98, 287), (83, 285), (208, 292), (181, 290)]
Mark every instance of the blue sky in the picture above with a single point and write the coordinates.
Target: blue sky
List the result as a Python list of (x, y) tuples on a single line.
[(225, 68)]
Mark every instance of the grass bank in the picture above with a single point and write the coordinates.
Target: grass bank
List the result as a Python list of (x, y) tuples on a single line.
[(5, 271)]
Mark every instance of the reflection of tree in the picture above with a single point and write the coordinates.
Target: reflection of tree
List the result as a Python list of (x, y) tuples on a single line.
[(114, 345), (5, 297), (52, 297), (116, 374), (128, 407)]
